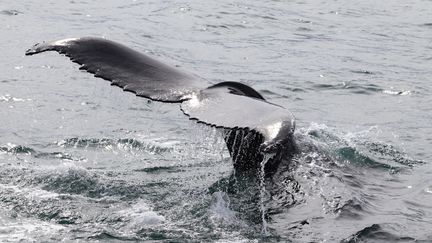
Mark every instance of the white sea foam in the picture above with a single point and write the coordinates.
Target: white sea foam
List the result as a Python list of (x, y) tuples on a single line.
[(9, 98), (18, 229), (236, 240), (220, 210), (141, 214), (397, 92), (29, 192)]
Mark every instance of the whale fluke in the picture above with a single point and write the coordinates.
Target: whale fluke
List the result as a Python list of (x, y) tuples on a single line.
[(252, 125), (221, 107)]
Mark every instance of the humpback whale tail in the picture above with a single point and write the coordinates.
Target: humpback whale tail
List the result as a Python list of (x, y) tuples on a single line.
[(252, 126)]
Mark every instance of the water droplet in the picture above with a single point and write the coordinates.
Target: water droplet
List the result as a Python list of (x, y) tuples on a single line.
[(266, 158)]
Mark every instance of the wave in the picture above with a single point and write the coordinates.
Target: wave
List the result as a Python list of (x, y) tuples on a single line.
[(10, 12), (68, 145), (378, 233), (325, 182), (128, 144), (357, 149), (362, 88)]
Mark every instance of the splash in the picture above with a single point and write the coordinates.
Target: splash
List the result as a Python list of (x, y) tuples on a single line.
[(220, 209), (139, 214), (263, 192), (397, 92)]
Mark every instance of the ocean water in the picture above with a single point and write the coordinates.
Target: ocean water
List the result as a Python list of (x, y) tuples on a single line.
[(81, 161)]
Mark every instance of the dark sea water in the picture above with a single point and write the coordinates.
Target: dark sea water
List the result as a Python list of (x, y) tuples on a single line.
[(81, 161)]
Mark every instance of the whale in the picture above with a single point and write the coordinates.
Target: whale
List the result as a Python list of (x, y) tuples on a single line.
[(253, 128)]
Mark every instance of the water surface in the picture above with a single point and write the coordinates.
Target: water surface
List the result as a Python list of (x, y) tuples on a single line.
[(83, 161)]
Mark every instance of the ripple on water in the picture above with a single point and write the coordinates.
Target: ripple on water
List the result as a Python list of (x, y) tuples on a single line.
[(397, 92), (378, 233), (40, 204), (427, 25), (358, 149), (353, 87), (337, 176), (10, 12), (122, 144), (13, 149), (89, 184), (76, 196), (366, 72), (19, 229)]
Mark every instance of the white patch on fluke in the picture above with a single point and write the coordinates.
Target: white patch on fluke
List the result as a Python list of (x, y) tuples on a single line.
[(64, 42), (193, 101), (273, 129)]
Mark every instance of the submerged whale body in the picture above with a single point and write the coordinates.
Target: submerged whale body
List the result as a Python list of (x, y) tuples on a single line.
[(252, 127)]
